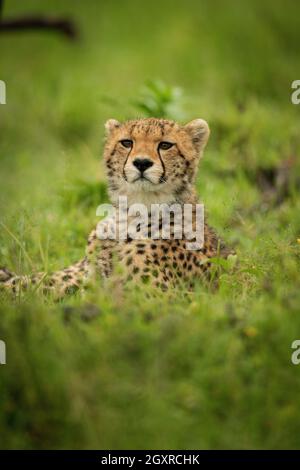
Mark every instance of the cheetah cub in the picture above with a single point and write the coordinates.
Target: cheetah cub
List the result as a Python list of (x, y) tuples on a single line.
[(150, 161)]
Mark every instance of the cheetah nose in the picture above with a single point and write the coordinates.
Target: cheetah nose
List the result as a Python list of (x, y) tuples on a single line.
[(142, 164)]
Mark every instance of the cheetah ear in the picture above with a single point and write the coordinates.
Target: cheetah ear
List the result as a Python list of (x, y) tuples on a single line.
[(110, 125), (199, 132)]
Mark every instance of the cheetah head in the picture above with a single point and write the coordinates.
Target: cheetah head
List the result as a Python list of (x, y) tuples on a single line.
[(153, 160)]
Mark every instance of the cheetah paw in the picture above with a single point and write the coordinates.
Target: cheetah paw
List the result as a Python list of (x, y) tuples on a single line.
[(5, 275)]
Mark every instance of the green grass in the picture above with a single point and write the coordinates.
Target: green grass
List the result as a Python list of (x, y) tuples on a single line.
[(210, 369)]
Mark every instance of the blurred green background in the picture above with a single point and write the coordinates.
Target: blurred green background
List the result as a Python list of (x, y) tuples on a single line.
[(211, 369)]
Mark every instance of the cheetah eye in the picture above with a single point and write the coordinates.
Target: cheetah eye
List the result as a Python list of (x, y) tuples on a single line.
[(165, 145), (127, 143)]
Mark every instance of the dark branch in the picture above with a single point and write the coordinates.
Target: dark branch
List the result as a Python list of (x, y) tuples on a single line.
[(61, 25)]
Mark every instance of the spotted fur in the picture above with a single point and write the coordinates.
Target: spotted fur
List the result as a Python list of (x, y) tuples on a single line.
[(174, 152)]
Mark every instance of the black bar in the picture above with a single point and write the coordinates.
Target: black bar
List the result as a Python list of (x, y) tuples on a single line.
[(138, 458)]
